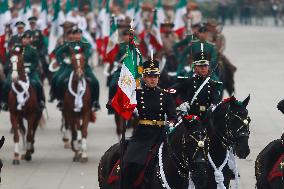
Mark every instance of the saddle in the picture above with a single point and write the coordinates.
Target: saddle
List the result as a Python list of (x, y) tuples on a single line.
[(114, 175), (277, 170)]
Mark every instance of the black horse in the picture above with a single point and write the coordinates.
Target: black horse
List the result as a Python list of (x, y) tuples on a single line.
[(168, 72), (228, 131), (181, 156), (269, 169)]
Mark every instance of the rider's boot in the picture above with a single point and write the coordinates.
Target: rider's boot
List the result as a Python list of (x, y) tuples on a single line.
[(41, 98)]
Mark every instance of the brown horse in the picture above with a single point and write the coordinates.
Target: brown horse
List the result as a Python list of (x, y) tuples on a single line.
[(22, 103), (77, 107)]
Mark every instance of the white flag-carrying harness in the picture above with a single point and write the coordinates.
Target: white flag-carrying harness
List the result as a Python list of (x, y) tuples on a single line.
[(81, 89), (23, 96), (219, 177)]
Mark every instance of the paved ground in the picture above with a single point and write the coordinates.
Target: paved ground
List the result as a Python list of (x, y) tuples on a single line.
[(258, 54)]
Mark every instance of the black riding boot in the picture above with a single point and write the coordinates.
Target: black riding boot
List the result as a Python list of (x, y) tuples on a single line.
[(130, 175), (41, 98)]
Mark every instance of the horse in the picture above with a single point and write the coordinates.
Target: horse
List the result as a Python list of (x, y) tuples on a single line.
[(269, 170), (77, 107), (228, 132), (179, 161), (23, 104), (226, 71)]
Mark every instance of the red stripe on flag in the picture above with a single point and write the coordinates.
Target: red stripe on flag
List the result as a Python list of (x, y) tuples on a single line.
[(155, 43), (180, 32), (111, 55), (121, 104)]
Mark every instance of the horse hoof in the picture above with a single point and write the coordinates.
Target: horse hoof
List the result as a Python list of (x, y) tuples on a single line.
[(76, 158), (67, 145), (28, 157), (16, 162), (84, 160)]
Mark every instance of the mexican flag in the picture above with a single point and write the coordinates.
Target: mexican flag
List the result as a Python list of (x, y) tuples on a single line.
[(27, 11), (113, 43), (124, 101), (179, 27), (130, 12), (104, 22), (155, 38), (44, 17), (160, 12), (5, 16), (68, 7), (55, 31), (138, 22)]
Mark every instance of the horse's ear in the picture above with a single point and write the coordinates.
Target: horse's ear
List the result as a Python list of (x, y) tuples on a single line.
[(246, 101)]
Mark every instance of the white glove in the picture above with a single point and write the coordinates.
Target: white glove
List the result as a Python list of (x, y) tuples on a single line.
[(184, 107), (27, 70), (187, 68)]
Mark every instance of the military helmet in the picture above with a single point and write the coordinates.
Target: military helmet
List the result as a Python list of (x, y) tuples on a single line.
[(201, 58), (32, 19), (20, 24), (202, 28), (27, 34), (151, 67)]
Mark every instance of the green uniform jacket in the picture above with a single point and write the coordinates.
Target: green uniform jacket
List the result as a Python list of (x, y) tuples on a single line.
[(30, 64), (183, 43), (195, 47)]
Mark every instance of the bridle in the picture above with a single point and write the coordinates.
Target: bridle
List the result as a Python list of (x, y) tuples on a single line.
[(231, 137)]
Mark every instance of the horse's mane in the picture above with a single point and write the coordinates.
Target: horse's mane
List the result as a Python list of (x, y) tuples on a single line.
[(223, 106)]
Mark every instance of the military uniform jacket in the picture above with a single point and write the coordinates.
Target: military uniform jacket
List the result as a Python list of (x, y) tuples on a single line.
[(64, 51), (38, 41), (183, 43), (209, 94), (15, 40), (30, 59), (152, 104)]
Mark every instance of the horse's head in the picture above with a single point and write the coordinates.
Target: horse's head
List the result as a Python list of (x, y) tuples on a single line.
[(230, 121), (17, 62), (191, 146), (78, 61)]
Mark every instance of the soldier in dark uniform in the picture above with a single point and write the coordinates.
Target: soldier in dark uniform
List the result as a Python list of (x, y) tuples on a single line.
[(199, 92), (30, 63), (153, 103), (38, 43), (16, 39)]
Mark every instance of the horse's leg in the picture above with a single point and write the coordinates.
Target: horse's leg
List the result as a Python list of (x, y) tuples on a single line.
[(22, 130), (31, 119), (35, 126), (14, 122), (74, 142), (66, 133), (84, 129)]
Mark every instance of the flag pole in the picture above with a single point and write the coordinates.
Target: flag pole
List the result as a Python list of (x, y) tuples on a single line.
[(122, 141)]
